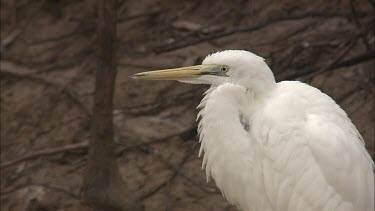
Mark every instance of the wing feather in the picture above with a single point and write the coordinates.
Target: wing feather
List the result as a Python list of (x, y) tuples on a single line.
[(314, 153)]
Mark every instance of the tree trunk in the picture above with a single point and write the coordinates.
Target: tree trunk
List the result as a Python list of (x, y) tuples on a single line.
[(104, 188)]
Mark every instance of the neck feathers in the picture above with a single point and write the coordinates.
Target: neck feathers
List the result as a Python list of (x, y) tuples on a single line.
[(226, 144), (220, 118)]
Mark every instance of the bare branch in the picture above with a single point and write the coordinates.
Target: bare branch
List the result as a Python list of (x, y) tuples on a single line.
[(364, 57), (46, 152), (274, 19), (175, 171), (44, 185), (24, 73)]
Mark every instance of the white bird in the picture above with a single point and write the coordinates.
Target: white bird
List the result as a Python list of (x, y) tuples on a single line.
[(275, 146)]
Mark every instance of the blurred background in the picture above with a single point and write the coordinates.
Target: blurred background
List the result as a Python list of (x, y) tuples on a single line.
[(48, 60)]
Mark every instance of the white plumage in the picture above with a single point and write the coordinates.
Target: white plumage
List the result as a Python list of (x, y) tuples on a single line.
[(275, 146)]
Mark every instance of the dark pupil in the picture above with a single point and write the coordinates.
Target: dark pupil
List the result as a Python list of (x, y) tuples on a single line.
[(224, 69)]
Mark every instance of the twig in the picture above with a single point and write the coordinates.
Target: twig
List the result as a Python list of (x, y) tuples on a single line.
[(359, 25), (10, 38), (285, 37), (136, 16), (71, 34), (175, 170), (142, 144), (18, 31), (163, 102), (21, 72), (84, 146), (46, 152), (275, 19), (348, 94), (44, 185), (11, 67), (346, 63), (349, 45)]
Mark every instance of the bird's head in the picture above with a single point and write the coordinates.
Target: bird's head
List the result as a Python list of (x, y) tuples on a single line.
[(233, 66)]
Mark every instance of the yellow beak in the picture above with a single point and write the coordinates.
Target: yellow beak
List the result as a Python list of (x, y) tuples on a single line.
[(181, 73)]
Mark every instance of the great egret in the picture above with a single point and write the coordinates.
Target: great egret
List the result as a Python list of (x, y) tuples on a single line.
[(275, 146)]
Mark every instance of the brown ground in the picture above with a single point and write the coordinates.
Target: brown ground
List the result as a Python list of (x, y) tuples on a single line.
[(47, 63)]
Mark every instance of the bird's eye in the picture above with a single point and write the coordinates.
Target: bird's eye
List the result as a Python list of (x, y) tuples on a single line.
[(224, 69)]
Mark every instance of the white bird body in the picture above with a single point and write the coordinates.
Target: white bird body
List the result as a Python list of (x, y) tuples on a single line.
[(276, 146), (299, 152)]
